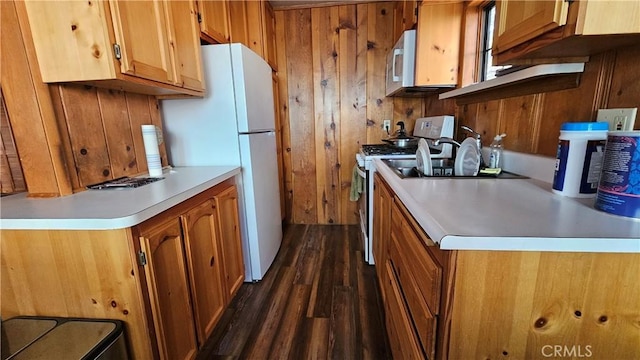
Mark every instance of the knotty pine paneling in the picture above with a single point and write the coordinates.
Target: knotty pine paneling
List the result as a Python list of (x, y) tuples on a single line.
[(332, 64), (29, 108), (625, 82), (325, 25), (101, 130), (300, 90), (353, 99), (283, 113)]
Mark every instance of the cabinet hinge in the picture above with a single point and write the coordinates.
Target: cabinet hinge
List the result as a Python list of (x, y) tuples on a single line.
[(199, 17), (116, 51), (142, 258)]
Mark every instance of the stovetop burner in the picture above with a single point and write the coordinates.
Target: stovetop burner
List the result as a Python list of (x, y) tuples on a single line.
[(387, 149), (124, 182)]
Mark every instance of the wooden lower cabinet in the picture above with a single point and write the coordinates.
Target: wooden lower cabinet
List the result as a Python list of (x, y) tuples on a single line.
[(202, 244), (231, 244), (383, 200), (402, 337), (414, 280), (166, 274), (467, 304), (168, 278)]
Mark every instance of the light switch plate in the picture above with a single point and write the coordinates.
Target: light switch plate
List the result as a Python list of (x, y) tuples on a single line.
[(618, 119)]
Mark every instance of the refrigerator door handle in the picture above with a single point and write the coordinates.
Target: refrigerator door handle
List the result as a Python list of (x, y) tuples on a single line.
[(256, 132)]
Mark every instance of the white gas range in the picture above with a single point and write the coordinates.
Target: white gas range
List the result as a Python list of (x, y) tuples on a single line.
[(429, 128)]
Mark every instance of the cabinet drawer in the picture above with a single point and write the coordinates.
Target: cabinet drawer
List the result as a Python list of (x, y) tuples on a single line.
[(412, 288), (404, 344), (413, 263)]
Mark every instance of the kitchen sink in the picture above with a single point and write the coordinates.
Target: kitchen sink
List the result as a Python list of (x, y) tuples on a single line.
[(442, 168)]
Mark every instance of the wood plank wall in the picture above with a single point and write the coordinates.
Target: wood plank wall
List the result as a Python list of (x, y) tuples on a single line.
[(532, 122), (101, 131), (331, 70)]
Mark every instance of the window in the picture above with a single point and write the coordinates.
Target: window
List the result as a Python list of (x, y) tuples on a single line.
[(487, 70)]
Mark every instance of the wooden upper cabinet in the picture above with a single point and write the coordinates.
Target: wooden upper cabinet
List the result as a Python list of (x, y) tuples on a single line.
[(260, 27), (214, 20), (542, 31), (141, 33), (521, 21), (405, 16), (184, 36), (230, 240), (438, 43), (166, 274), (255, 26), (238, 27), (139, 46), (269, 35), (202, 243)]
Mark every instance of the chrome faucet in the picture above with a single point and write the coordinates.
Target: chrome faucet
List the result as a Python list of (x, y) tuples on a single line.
[(475, 135), (445, 140)]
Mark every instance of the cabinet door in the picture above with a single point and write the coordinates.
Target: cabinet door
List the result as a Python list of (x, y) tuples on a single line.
[(61, 28), (238, 29), (166, 275), (402, 339), (140, 29), (214, 19), (410, 14), (382, 200), (185, 39), (205, 265), (438, 43), (405, 16), (269, 35), (417, 274), (254, 21), (520, 21), (227, 203)]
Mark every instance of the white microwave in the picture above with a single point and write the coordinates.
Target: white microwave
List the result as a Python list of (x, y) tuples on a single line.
[(401, 64)]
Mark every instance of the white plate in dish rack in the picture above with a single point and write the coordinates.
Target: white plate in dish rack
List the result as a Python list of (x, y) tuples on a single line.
[(423, 158), (468, 158)]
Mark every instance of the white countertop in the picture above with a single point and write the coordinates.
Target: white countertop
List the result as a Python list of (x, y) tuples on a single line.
[(112, 208), (510, 215)]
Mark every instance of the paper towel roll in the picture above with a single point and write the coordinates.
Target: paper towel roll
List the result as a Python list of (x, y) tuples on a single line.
[(150, 138)]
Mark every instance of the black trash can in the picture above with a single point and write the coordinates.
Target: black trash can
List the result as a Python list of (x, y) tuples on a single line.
[(35, 338)]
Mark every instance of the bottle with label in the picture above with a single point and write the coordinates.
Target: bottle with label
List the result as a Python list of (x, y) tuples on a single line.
[(495, 156), (579, 158)]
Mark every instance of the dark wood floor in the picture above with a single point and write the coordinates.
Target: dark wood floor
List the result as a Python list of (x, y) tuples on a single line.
[(319, 300)]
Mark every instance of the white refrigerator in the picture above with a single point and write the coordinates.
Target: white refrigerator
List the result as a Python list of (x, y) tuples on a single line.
[(234, 124)]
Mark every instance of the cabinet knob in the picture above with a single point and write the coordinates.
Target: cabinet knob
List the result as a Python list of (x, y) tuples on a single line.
[(211, 261)]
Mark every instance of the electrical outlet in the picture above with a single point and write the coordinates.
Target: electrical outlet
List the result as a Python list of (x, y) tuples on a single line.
[(386, 125), (618, 119)]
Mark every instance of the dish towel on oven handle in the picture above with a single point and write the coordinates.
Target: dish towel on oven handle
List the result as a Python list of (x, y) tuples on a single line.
[(357, 185)]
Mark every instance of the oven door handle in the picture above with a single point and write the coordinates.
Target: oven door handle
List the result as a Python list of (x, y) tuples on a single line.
[(361, 172)]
